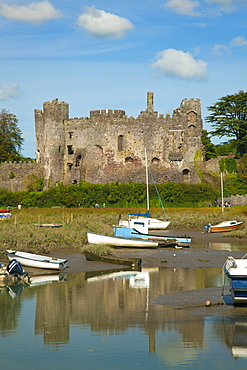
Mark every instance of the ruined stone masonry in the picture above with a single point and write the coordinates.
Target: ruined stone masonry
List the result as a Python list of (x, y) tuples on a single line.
[(109, 146)]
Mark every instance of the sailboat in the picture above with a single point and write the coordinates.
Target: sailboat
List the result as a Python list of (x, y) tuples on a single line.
[(153, 223), (225, 225)]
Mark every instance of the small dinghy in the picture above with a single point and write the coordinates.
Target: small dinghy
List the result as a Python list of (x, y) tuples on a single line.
[(36, 260)]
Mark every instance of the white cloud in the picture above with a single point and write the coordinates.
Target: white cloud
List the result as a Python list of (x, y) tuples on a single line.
[(226, 6), (34, 12), (239, 41), (183, 6), (101, 24), (219, 49), (9, 91), (176, 63)]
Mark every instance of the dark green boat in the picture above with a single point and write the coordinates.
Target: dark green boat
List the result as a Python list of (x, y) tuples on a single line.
[(132, 262)]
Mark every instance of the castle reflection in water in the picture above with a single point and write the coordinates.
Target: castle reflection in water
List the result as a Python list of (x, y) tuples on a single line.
[(110, 303)]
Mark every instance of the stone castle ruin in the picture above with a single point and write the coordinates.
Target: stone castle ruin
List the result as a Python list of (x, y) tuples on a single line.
[(110, 147)]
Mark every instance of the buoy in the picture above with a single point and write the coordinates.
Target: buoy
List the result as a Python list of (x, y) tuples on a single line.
[(207, 303)]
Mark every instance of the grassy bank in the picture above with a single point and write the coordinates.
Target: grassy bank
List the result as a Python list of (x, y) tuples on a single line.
[(19, 231)]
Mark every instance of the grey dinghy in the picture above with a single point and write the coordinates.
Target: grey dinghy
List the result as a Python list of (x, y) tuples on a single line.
[(37, 260)]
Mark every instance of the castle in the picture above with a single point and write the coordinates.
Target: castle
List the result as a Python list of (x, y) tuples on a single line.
[(110, 147)]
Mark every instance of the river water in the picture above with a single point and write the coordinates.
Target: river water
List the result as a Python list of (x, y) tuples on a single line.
[(111, 320)]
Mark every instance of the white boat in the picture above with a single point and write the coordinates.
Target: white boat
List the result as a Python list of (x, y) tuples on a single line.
[(223, 226), (36, 260), (236, 270), (138, 229), (153, 223), (119, 241)]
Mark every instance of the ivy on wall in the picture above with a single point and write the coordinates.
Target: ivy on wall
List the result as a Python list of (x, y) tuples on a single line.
[(228, 165)]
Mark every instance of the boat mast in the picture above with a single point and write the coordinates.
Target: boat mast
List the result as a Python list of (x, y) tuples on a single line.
[(222, 195), (146, 160)]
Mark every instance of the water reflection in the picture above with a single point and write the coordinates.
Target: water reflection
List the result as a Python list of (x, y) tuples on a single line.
[(113, 304)]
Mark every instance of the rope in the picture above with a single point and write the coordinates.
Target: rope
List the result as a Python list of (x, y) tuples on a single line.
[(157, 191)]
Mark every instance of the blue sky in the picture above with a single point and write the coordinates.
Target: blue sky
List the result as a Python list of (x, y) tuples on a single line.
[(109, 54)]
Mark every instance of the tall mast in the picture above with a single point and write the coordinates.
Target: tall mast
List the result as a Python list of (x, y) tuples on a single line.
[(222, 193), (147, 179)]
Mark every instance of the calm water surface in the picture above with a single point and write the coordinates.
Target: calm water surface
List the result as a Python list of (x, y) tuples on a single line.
[(108, 321)]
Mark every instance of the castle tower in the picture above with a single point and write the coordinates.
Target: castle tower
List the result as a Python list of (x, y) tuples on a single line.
[(50, 139), (150, 102)]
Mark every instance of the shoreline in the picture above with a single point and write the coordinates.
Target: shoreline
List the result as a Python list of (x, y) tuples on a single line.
[(187, 257)]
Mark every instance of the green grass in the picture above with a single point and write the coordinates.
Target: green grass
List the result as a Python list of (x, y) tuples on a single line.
[(19, 231)]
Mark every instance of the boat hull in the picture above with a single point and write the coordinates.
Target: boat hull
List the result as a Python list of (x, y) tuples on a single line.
[(133, 262), (236, 271), (153, 223), (128, 232), (37, 261), (225, 226), (120, 242)]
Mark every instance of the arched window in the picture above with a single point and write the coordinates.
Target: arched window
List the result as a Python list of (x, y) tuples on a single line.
[(120, 142), (192, 130), (192, 116), (129, 160), (155, 160), (69, 165), (186, 175)]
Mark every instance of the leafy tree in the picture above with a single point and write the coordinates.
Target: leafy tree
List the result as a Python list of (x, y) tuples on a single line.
[(229, 118), (209, 147), (242, 168), (226, 148), (10, 137)]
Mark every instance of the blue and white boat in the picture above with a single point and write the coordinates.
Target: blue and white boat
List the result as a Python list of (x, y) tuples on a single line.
[(138, 229), (236, 270)]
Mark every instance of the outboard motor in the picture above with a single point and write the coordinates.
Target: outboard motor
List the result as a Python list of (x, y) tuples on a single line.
[(15, 268)]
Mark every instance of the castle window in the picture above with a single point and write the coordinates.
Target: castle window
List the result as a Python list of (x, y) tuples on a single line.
[(129, 160), (59, 149), (191, 130), (74, 181), (71, 135), (155, 160), (192, 116), (186, 175), (69, 165), (78, 160), (70, 149), (120, 142)]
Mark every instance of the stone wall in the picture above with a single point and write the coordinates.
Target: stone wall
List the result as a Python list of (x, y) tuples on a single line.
[(16, 176), (109, 146)]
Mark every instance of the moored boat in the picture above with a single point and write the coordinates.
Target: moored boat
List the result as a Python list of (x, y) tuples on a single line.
[(236, 270), (120, 242), (223, 226), (138, 229), (153, 223), (133, 262), (38, 261), (48, 225), (5, 213)]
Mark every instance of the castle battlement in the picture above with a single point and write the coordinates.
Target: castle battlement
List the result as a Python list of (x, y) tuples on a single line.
[(107, 113)]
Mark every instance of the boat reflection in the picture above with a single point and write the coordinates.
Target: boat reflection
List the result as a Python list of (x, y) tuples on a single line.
[(15, 288), (235, 335)]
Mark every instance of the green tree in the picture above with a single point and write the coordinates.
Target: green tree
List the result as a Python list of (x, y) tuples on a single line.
[(209, 147), (229, 118), (10, 137), (242, 168)]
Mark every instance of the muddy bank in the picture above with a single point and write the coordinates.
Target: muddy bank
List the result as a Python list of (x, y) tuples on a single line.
[(162, 257)]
